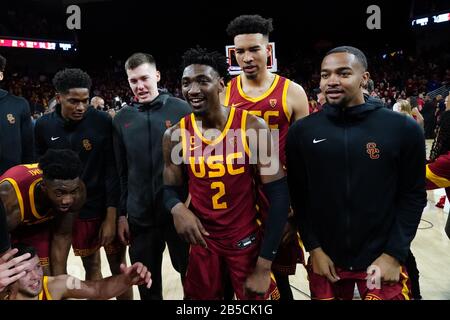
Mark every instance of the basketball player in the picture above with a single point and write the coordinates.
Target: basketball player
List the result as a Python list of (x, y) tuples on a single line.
[(279, 101), (35, 286), (220, 223), (41, 202), (87, 131), (369, 163)]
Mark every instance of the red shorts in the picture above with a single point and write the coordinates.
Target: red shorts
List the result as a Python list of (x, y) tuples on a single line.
[(322, 289), (288, 256), (85, 241), (37, 236), (208, 268)]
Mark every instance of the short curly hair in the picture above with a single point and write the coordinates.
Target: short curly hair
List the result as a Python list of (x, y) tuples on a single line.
[(67, 79), (213, 59), (245, 24), (61, 164)]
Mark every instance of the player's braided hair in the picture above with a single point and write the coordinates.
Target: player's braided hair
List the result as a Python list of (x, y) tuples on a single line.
[(62, 164), (68, 79), (441, 143), (213, 59), (245, 24)]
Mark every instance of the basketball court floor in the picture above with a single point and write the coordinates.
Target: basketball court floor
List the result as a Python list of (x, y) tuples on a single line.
[(431, 248)]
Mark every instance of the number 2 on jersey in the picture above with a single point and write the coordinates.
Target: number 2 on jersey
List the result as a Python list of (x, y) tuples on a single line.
[(215, 199)]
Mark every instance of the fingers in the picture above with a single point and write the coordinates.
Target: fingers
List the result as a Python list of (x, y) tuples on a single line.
[(199, 234), (122, 237), (17, 260), (8, 255), (332, 275), (201, 228)]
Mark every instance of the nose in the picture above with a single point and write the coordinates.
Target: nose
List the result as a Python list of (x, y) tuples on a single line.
[(67, 200), (194, 88), (333, 80), (140, 85), (248, 57)]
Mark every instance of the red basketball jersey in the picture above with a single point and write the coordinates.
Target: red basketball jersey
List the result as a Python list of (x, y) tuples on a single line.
[(220, 176), (271, 106), (24, 178), (45, 293)]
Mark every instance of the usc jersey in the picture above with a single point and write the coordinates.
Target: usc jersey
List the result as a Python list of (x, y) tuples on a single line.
[(271, 106), (24, 178), (220, 176)]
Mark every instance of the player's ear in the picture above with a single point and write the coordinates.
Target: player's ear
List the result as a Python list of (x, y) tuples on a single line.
[(364, 79), (221, 85), (158, 76)]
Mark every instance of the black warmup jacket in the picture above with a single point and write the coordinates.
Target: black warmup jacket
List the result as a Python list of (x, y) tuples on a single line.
[(16, 132), (91, 139), (357, 182), (138, 135)]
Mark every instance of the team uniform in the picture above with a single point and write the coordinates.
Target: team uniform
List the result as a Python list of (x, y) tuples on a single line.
[(32, 230), (220, 177), (438, 173), (272, 107), (91, 139), (322, 289), (45, 293)]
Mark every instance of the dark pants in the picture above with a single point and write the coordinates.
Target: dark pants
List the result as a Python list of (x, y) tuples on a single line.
[(147, 246)]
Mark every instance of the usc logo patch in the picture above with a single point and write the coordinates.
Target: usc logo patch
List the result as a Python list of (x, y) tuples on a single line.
[(87, 145), (373, 151), (10, 118)]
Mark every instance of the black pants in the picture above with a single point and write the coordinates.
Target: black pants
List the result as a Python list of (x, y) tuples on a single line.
[(413, 272), (147, 246)]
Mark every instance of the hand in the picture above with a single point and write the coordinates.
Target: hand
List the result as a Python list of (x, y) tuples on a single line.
[(188, 226), (389, 268), (323, 265), (107, 232), (123, 230), (259, 281), (137, 274), (12, 269)]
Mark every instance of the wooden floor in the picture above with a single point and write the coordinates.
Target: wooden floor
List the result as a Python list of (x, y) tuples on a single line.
[(431, 248)]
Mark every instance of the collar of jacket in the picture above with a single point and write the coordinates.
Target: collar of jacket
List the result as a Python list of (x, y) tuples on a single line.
[(3, 93), (356, 112), (156, 103), (69, 124)]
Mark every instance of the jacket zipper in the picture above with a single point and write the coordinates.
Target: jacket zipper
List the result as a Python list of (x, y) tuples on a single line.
[(347, 188), (149, 125)]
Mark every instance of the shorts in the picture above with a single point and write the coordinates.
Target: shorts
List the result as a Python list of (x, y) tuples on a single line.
[(209, 268), (322, 289), (288, 255), (37, 236), (85, 241)]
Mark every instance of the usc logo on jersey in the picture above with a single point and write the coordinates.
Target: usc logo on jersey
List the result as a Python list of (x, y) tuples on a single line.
[(267, 116), (373, 151), (216, 165)]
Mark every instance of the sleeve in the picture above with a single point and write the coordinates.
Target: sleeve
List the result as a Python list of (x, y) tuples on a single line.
[(122, 167), (411, 194), (41, 146), (298, 188), (112, 178), (27, 137), (438, 173)]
